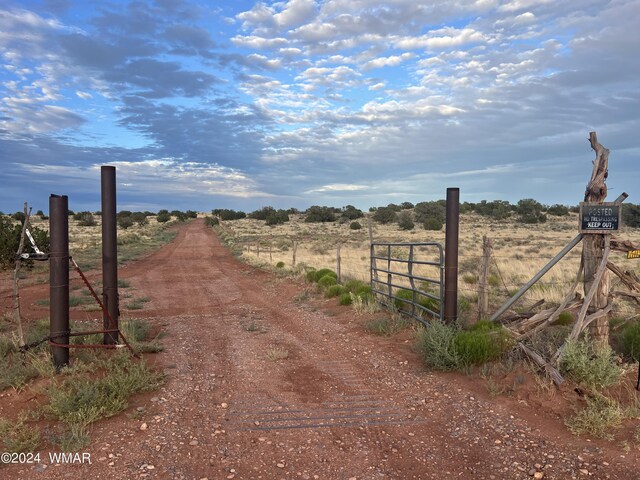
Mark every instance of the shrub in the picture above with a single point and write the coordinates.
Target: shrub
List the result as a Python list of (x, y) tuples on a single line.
[(355, 226), (10, 240), (385, 215), (163, 217), (280, 265), (405, 221), (387, 326), (631, 341), (327, 281), (558, 210), (277, 217), (226, 214), (351, 213), (322, 272), (85, 219), (484, 342), (311, 276), (211, 221), (600, 415), (316, 214), (427, 210), (589, 365), (436, 344), (334, 291), (565, 318), (346, 299), (125, 222), (631, 215), (497, 209), (403, 295), (432, 224), (140, 218)]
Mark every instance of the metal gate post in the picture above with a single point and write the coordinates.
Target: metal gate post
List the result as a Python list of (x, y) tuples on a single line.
[(109, 254), (451, 255), (59, 278)]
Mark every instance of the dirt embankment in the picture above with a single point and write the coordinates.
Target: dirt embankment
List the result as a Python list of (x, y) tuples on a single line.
[(266, 384)]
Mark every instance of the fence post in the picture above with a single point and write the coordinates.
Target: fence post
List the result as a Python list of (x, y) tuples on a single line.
[(451, 255), (295, 248), (483, 291), (270, 257), (59, 278), (338, 263), (109, 254)]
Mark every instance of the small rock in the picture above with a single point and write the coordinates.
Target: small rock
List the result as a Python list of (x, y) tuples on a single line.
[(280, 465), (193, 443), (144, 426), (538, 475)]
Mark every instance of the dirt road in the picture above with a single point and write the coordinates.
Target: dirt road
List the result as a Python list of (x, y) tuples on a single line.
[(343, 404)]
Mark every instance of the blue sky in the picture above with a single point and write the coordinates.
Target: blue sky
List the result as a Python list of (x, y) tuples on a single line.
[(242, 104)]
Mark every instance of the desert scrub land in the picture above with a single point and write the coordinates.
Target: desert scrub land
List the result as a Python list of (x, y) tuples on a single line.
[(519, 251)]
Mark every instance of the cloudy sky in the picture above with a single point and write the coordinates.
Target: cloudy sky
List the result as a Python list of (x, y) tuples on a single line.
[(241, 104)]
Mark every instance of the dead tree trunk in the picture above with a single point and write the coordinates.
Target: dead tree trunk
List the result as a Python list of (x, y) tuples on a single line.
[(593, 245)]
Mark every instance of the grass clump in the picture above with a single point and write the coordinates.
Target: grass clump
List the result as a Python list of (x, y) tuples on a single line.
[(404, 297), (346, 298), (323, 272), (19, 436), (449, 347), (631, 341), (485, 341), (599, 416), (280, 265), (436, 344), (327, 281), (334, 291), (588, 365), (387, 326), (79, 402), (275, 353)]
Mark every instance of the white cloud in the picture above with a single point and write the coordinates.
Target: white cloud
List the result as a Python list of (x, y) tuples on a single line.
[(440, 39), (84, 95), (295, 13), (339, 187), (392, 61), (259, 43)]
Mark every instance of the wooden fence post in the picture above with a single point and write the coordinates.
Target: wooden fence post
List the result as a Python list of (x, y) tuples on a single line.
[(593, 245), (338, 263), (483, 291), (295, 248)]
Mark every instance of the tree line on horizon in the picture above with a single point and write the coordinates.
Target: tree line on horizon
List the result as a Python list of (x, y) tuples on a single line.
[(430, 215)]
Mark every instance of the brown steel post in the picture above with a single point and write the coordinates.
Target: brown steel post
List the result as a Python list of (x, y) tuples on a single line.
[(451, 255), (59, 278), (109, 254)]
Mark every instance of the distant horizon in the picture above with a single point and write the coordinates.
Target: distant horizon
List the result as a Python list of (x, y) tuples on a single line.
[(300, 210), (306, 102)]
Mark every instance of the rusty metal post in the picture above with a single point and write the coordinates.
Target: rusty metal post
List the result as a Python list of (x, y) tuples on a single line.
[(109, 254), (59, 278), (451, 255)]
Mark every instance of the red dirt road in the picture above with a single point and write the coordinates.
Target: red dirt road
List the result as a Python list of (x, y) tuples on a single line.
[(344, 404)]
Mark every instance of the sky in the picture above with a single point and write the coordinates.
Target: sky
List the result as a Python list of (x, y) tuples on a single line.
[(242, 104)]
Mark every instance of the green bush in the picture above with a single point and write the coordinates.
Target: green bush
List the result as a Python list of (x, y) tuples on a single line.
[(436, 344), (163, 217), (322, 272), (403, 295), (565, 318), (334, 291), (387, 326), (588, 365), (355, 226), (211, 221), (311, 276), (631, 341), (327, 281), (85, 219), (280, 265), (10, 240), (484, 342), (432, 224), (346, 298)]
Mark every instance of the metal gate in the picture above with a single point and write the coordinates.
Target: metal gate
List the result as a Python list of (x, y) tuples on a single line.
[(409, 277)]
